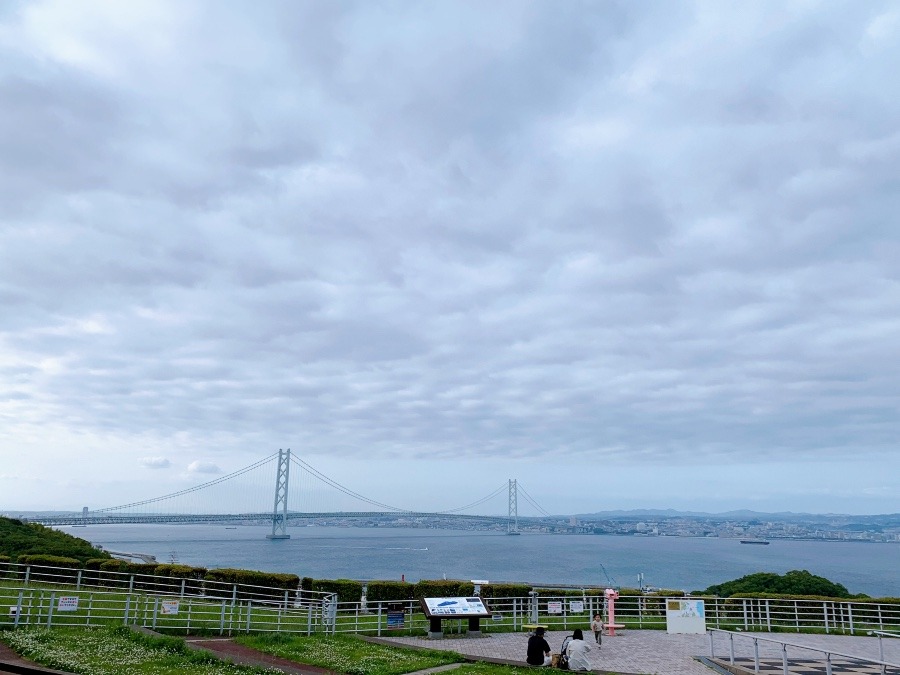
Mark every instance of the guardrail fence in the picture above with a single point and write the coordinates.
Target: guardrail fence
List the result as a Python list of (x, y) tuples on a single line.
[(783, 650), (46, 596)]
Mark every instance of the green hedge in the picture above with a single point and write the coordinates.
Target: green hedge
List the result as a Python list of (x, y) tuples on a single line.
[(444, 588), (247, 582), (67, 571), (379, 591), (175, 577), (505, 590), (347, 590)]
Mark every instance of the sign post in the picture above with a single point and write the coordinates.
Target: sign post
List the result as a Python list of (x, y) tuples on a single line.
[(436, 609)]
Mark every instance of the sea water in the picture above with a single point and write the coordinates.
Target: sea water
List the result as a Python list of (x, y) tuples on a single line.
[(681, 563)]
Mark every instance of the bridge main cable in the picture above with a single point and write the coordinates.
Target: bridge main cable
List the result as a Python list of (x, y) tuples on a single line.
[(189, 490)]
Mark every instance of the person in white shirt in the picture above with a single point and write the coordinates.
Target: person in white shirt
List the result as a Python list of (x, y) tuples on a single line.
[(577, 651)]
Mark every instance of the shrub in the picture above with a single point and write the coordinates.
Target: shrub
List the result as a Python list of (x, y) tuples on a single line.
[(379, 591), (346, 589), (251, 585), (505, 590), (65, 573), (176, 577), (444, 588)]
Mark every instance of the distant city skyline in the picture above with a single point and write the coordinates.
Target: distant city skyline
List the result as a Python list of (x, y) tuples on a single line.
[(634, 255)]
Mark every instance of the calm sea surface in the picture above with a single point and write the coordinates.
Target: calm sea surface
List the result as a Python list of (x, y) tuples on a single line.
[(361, 553)]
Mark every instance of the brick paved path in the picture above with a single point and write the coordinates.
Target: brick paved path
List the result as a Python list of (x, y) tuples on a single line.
[(650, 652)]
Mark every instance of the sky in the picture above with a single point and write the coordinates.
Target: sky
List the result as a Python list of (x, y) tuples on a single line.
[(632, 255)]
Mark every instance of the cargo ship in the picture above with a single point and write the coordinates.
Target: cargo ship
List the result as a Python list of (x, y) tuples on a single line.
[(761, 542)]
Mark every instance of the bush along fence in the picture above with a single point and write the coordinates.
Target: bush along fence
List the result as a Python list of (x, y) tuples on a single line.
[(179, 598)]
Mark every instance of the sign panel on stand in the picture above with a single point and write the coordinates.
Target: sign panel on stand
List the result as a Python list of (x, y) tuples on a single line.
[(472, 608), (685, 616)]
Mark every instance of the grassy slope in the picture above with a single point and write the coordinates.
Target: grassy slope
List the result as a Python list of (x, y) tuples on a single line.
[(18, 538)]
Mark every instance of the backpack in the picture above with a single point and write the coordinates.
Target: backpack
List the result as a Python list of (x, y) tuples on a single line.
[(563, 663)]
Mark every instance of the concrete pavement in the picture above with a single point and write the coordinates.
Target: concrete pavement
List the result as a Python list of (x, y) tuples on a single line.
[(651, 652)]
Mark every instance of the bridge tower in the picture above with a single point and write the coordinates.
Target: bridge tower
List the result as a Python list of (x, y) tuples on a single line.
[(512, 525), (279, 513)]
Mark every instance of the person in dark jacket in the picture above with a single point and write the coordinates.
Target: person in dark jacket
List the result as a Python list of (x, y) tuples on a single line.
[(538, 649)]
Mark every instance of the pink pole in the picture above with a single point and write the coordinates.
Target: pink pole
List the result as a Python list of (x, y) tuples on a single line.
[(611, 596)]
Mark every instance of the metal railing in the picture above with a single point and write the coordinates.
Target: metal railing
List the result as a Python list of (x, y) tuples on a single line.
[(828, 654), (31, 594), (881, 634)]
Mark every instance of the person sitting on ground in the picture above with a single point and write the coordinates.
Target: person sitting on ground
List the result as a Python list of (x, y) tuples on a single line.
[(538, 649), (577, 650)]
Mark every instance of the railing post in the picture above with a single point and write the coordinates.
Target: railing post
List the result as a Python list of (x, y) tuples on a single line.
[(50, 609), (784, 659), (744, 604), (131, 584), (89, 608), (712, 646), (127, 607), (78, 581), (768, 616), (222, 618), (21, 604), (249, 610), (379, 618), (155, 610), (825, 612), (182, 587), (27, 574), (755, 655), (731, 647), (827, 663), (850, 616)]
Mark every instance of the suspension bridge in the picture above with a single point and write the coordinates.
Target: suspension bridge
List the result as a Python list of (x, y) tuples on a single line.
[(236, 498)]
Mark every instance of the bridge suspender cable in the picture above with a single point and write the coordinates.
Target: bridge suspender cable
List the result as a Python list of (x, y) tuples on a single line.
[(530, 500), (347, 491), (191, 489)]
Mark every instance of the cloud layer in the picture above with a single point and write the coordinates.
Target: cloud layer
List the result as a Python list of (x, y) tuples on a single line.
[(612, 235)]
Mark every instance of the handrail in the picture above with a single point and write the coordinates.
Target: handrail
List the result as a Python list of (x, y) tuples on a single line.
[(784, 645), (883, 634)]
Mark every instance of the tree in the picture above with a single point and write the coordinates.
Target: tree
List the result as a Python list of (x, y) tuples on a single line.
[(795, 582)]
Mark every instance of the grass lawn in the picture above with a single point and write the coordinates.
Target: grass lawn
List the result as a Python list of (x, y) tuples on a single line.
[(348, 654), (116, 651)]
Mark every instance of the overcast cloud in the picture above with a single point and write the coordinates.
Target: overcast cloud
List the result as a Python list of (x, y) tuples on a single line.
[(649, 250)]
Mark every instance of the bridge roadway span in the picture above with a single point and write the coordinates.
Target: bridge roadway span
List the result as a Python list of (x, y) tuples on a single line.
[(146, 519)]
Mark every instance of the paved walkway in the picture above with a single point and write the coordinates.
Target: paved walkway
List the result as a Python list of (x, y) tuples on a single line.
[(651, 652)]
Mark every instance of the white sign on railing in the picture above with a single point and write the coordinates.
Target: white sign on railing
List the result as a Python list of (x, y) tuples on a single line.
[(168, 607), (67, 603), (554, 608), (576, 606)]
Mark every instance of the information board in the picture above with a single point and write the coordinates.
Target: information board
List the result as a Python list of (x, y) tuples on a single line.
[(461, 607), (395, 620), (554, 607), (685, 616), (168, 607)]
